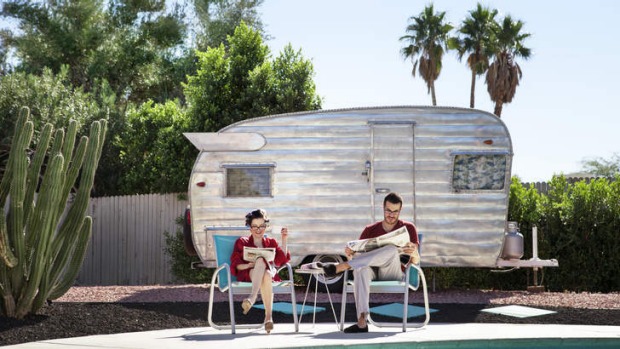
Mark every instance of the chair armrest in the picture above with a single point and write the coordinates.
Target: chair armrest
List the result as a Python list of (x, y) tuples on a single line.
[(289, 269), (223, 266), (413, 283)]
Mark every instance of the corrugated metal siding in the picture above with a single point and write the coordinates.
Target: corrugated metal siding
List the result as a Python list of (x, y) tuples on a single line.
[(320, 194), (460, 229), (127, 244)]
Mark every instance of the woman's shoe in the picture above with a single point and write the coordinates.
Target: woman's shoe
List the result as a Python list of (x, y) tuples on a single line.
[(246, 305), (268, 326)]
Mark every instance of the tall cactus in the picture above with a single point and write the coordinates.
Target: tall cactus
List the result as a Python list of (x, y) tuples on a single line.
[(42, 241)]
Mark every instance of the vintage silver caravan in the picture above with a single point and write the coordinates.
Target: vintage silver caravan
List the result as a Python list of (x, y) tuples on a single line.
[(324, 175)]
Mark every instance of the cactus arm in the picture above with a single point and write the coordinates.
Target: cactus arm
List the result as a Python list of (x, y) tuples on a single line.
[(44, 213), (9, 260), (18, 189), (6, 245), (71, 176), (102, 134), (67, 148), (5, 184), (7, 255), (82, 197), (74, 265), (72, 222), (73, 171), (32, 181), (59, 136), (15, 222)]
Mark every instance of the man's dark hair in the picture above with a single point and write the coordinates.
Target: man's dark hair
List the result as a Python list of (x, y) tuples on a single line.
[(259, 213), (393, 198)]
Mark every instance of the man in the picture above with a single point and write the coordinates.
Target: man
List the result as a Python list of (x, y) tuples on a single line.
[(381, 264)]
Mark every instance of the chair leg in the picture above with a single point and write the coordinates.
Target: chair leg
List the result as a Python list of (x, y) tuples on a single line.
[(293, 297), (343, 304), (231, 305), (405, 323), (211, 301), (425, 293)]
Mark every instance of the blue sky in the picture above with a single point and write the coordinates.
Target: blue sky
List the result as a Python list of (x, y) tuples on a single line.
[(565, 109)]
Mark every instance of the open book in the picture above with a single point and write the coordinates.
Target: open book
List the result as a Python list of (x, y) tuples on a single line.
[(251, 254), (398, 237)]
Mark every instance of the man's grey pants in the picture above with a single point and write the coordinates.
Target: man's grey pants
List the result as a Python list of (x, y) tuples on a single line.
[(382, 264)]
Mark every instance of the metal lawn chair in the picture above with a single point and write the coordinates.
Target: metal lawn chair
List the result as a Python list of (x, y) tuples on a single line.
[(225, 281), (413, 277)]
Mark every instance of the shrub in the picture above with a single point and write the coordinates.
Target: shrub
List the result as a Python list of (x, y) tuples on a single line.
[(582, 222), (181, 261)]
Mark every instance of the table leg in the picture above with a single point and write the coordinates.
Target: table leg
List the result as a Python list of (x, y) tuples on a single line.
[(301, 314), (329, 296)]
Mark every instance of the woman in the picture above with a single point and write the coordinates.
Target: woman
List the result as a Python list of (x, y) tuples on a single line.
[(260, 273)]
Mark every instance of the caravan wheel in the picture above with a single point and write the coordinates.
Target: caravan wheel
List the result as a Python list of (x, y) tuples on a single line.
[(334, 283)]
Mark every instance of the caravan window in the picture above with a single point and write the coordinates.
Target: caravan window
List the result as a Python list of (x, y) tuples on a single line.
[(479, 172), (248, 181)]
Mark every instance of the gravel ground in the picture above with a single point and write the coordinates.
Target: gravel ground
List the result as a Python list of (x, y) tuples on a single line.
[(105, 310), (200, 293)]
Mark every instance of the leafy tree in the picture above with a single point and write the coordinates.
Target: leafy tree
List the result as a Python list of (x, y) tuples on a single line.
[(504, 73), (217, 20), (4, 66), (156, 156), (124, 44), (236, 83), (53, 34), (283, 85), (51, 99), (140, 50), (602, 167), (476, 33), (426, 42)]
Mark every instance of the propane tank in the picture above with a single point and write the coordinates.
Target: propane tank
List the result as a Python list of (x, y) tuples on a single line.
[(513, 242)]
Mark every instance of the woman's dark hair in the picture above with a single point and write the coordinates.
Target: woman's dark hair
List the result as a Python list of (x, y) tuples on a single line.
[(260, 213)]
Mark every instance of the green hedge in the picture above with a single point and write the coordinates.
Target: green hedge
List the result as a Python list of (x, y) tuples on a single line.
[(582, 225)]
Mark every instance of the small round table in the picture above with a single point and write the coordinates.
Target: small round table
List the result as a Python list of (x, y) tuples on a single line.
[(315, 273)]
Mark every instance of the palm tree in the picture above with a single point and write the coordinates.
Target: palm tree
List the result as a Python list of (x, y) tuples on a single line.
[(477, 34), (504, 73), (427, 37)]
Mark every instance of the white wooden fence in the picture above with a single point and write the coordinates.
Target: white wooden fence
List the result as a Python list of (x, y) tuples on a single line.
[(127, 245)]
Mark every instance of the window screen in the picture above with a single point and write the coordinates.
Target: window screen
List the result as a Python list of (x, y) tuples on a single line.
[(479, 172), (248, 181)]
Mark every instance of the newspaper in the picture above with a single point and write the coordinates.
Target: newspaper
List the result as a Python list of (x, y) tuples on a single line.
[(312, 266), (398, 237), (251, 254)]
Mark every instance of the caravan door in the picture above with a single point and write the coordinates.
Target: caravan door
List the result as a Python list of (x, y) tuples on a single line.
[(392, 166)]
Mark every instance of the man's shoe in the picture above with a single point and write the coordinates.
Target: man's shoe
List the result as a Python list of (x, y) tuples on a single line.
[(329, 269), (356, 329)]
